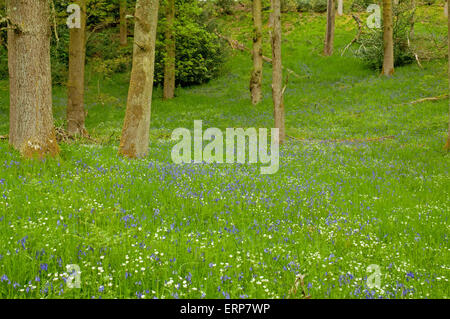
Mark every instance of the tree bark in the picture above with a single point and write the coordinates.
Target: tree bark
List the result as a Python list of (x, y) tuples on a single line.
[(329, 38), (123, 23), (340, 7), (169, 65), (447, 145), (77, 58), (277, 72), (31, 128), (388, 41), (135, 133), (256, 76)]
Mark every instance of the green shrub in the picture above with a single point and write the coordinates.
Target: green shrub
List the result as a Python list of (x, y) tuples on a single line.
[(199, 53), (362, 5), (59, 56), (319, 5), (225, 6), (3, 62), (288, 5), (304, 5), (371, 49)]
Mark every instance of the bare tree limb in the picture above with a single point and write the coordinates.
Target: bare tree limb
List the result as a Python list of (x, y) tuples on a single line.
[(236, 45), (358, 35)]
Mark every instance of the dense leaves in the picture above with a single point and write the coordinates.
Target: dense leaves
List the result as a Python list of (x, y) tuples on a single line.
[(199, 53), (371, 49)]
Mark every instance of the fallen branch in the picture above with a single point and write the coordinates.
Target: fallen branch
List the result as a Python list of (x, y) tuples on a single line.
[(358, 35), (62, 136), (236, 45), (426, 99), (376, 139), (415, 54)]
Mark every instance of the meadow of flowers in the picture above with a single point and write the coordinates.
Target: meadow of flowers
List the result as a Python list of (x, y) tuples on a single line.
[(151, 229)]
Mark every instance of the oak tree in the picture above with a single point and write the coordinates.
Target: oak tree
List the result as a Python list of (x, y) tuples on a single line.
[(447, 145), (135, 133), (123, 22), (31, 128), (169, 63), (75, 85), (256, 76), (277, 71), (329, 37), (388, 39)]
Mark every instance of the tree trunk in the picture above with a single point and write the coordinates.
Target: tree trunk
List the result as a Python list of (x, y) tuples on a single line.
[(388, 41), (169, 65), (277, 72), (329, 38), (256, 77), (31, 128), (123, 23), (446, 9), (447, 145), (77, 58), (340, 7), (135, 133)]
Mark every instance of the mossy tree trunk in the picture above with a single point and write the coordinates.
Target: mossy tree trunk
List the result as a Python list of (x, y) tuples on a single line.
[(329, 37), (31, 128), (123, 22), (169, 63), (75, 85), (277, 72), (256, 76), (447, 145), (388, 39), (135, 133)]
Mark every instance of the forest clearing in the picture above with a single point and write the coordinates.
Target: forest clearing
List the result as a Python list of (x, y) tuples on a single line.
[(362, 188)]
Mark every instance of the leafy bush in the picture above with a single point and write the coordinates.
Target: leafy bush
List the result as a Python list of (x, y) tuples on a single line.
[(3, 50), (304, 5), (3, 62), (361, 5), (371, 49), (59, 55), (288, 5), (319, 5), (199, 52), (225, 6)]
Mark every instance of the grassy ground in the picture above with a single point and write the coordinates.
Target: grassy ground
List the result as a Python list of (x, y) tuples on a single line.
[(150, 228)]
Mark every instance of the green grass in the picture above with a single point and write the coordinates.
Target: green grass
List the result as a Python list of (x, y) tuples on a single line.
[(151, 228)]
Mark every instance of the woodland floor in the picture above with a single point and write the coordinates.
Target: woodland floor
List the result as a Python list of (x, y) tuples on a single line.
[(338, 204)]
